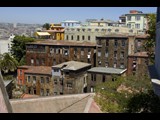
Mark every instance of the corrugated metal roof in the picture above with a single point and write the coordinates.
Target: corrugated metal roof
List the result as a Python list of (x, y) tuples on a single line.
[(107, 70)]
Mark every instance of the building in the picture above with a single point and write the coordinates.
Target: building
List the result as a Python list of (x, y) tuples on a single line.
[(138, 64), (137, 19), (113, 49), (56, 31), (38, 80), (20, 74), (70, 77), (42, 35), (98, 75), (89, 33), (49, 52), (5, 44), (68, 23)]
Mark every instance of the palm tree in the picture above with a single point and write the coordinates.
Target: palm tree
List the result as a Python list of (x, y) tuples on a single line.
[(7, 63)]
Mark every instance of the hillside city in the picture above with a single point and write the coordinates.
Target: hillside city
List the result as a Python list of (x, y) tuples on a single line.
[(96, 66)]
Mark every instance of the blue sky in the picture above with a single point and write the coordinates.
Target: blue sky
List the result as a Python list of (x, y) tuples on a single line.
[(42, 15)]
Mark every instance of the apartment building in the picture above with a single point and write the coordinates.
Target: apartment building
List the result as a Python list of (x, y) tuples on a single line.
[(137, 19), (113, 49), (50, 53), (98, 75), (70, 77)]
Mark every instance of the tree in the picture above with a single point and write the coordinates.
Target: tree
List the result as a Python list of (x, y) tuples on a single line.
[(150, 43), (7, 63), (18, 48), (116, 95), (46, 26)]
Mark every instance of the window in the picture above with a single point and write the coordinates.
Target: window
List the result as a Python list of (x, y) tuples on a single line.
[(103, 78), (55, 81), (82, 51), (138, 17), (34, 79), (93, 77), (137, 26), (89, 30), (106, 64), (29, 90), (29, 79), (32, 61), (123, 43), (99, 53), (37, 61), (83, 37), (129, 18), (96, 30), (106, 52), (72, 37), (34, 91), (43, 61), (99, 42), (42, 80), (47, 92), (115, 54), (129, 25), (83, 30), (69, 86), (109, 30), (72, 29), (75, 51), (139, 43), (78, 29), (115, 43), (66, 52), (99, 62), (47, 79), (42, 92), (107, 42), (77, 37), (20, 72), (122, 65), (67, 37), (115, 65), (89, 37), (116, 30), (56, 70), (122, 54)]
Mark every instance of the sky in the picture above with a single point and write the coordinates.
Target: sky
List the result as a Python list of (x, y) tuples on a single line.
[(41, 15)]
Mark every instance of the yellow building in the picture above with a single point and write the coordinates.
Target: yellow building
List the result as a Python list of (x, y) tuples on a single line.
[(56, 31)]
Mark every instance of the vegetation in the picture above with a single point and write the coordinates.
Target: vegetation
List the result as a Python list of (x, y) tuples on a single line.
[(18, 48), (127, 94), (150, 43), (7, 63), (46, 26)]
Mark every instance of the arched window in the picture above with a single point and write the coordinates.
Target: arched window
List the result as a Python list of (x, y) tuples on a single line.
[(83, 37), (72, 37), (77, 37), (89, 37), (67, 37)]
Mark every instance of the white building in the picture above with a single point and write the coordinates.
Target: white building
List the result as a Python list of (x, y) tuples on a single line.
[(69, 23), (136, 19), (5, 44)]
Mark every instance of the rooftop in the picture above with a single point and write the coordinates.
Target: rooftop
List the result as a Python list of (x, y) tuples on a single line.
[(76, 103), (28, 96), (39, 70), (107, 70), (72, 65), (62, 43)]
